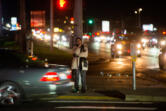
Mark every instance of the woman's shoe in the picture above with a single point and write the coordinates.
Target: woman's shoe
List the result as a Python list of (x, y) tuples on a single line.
[(75, 91)]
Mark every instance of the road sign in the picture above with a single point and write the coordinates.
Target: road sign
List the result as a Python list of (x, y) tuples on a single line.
[(133, 54), (134, 58), (133, 49)]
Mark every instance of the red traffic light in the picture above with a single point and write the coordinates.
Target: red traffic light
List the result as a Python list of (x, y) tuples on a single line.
[(62, 3), (72, 19)]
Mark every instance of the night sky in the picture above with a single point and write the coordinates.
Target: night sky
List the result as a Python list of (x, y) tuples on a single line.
[(153, 11)]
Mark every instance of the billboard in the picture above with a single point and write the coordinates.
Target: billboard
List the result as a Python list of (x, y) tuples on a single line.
[(105, 26), (147, 27), (13, 23), (38, 19)]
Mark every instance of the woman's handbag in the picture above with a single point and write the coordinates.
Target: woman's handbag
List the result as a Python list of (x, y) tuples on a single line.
[(84, 64)]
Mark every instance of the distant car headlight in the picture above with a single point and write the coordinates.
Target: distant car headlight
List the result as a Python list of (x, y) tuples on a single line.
[(64, 38), (138, 51), (97, 39), (154, 40), (119, 46), (144, 40), (56, 37), (47, 37), (162, 42), (138, 45), (119, 52), (144, 45)]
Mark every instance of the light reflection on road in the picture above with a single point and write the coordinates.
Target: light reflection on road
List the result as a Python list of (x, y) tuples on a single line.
[(149, 59), (142, 63)]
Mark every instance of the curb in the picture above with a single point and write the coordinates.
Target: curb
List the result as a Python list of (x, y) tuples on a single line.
[(84, 98), (87, 98), (145, 98)]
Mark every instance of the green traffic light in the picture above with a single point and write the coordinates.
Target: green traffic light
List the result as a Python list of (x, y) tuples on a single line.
[(90, 33), (90, 21)]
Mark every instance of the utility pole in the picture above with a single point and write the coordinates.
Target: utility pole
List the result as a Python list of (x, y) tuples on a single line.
[(51, 23), (122, 23), (22, 37), (138, 11), (78, 16)]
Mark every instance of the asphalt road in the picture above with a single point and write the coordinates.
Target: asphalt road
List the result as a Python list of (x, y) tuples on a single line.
[(86, 106), (146, 65)]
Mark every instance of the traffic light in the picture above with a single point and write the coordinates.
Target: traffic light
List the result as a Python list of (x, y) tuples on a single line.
[(62, 3), (164, 33), (90, 21), (90, 33), (72, 20)]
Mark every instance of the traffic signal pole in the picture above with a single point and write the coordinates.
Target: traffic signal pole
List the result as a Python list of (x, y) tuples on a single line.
[(78, 22), (51, 23)]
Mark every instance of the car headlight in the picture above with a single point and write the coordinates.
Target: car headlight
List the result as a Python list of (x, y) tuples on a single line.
[(162, 42), (119, 46), (138, 51), (97, 39), (144, 40), (119, 52), (138, 45)]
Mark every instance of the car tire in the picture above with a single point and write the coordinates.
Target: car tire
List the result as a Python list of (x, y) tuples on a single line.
[(10, 93)]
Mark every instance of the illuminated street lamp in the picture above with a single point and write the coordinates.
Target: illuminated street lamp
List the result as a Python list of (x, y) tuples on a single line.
[(138, 11), (135, 12)]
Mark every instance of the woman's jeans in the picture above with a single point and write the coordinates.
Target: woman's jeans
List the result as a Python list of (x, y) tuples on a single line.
[(76, 75)]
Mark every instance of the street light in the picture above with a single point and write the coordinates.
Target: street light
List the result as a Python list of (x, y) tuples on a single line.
[(138, 11), (135, 12)]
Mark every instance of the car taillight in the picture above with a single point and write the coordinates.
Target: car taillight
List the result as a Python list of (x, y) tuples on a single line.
[(69, 76), (128, 51), (50, 76)]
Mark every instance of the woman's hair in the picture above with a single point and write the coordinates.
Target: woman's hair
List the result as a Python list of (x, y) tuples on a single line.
[(78, 38)]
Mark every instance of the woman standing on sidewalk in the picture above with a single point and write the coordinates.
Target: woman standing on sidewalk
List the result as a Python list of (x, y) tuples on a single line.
[(80, 65)]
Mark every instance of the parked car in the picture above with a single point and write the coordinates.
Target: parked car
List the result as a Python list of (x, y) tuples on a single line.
[(22, 77)]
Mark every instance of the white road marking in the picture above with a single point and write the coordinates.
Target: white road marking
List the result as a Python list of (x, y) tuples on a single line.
[(109, 107), (112, 102)]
